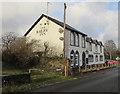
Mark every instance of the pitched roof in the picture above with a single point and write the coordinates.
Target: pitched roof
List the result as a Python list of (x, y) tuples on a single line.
[(89, 39), (57, 22)]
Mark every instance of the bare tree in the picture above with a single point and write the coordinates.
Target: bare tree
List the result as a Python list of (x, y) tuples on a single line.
[(110, 47), (8, 38), (46, 47), (19, 53), (49, 51)]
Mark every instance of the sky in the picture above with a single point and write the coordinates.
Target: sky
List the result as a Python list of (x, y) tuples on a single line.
[(98, 20)]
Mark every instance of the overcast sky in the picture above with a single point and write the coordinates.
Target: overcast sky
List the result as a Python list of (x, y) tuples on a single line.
[(98, 20)]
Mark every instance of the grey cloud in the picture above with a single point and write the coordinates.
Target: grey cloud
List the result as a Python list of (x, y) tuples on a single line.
[(92, 18)]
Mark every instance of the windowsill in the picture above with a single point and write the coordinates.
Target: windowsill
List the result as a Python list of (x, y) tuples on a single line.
[(74, 45)]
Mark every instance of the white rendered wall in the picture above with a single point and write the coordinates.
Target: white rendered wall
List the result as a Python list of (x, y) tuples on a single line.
[(52, 35)]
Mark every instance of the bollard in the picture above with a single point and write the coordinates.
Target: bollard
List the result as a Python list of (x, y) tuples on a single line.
[(79, 69), (29, 70), (98, 67), (95, 67), (109, 65), (65, 71), (89, 67), (105, 66), (101, 66), (85, 68)]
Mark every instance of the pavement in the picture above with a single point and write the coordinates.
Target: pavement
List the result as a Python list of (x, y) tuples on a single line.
[(102, 81)]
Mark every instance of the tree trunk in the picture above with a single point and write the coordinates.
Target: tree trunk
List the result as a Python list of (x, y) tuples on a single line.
[(110, 55)]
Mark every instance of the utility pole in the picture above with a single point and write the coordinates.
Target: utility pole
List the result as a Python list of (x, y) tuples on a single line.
[(64, 30), (64, 44), (47, 12)]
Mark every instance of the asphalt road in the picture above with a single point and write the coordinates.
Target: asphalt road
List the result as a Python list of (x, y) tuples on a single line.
[(103, 81)]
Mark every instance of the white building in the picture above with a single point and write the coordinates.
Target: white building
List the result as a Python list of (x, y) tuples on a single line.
[(79, 48)]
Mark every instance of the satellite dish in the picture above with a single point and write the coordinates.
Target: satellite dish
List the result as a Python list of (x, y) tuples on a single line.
[(61, 38), (60, 30)]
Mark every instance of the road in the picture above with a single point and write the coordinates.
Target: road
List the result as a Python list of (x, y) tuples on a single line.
[(103, 81)]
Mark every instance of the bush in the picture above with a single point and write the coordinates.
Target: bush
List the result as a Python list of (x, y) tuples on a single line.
[(20, 54)]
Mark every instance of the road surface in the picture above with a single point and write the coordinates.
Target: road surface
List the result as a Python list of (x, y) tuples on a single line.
[(103, 81)]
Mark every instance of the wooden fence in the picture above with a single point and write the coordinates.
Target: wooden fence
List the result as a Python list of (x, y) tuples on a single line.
[(88, 68)]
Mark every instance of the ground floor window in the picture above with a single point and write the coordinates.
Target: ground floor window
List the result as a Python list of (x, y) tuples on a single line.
[(72, 57), (96, 58), (77, 58), (101, 57), (90, 58)]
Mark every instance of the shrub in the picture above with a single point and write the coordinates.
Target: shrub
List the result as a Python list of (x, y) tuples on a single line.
[(20, 54)]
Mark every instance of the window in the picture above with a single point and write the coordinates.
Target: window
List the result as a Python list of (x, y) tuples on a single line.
[(83, 41), (90, 58), (90, 46), (101, 58), (76, 40), (72, 57), (77, 58), (101, 49), (96, 48), (72, 38), (96, 58)]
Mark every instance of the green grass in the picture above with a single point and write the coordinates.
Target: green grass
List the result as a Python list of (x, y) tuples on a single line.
[(38, 80), (118, 63), (11, 71)]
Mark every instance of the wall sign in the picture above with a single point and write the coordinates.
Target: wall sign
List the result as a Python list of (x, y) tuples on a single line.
[(42, 31)]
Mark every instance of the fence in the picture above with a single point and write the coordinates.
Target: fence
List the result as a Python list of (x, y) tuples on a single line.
[(15, 79), (88, 68), (98, 67)]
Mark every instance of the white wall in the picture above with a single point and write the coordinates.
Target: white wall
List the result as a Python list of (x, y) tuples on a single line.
[(52, 35), (81, 50)]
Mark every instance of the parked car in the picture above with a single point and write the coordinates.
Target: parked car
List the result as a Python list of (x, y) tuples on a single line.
[(110, 62)]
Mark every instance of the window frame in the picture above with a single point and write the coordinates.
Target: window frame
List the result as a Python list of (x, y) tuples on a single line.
[(96, 58), (90, 46), (100, 49), (90, 58), (75, 35), (73, 38), (77, 38), (83, 41), (96, 48), (100, 57)]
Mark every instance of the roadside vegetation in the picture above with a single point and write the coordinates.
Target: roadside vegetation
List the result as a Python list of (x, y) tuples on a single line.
[(38, 80), (18, 57)]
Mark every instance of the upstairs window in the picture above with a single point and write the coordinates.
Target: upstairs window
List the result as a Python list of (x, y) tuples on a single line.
[(96, 47), (90, 46), (101, 49), (83, 41), (72, 38), (76, 39)]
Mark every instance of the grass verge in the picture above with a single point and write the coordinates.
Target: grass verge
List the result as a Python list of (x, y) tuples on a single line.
[(38, 80)]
